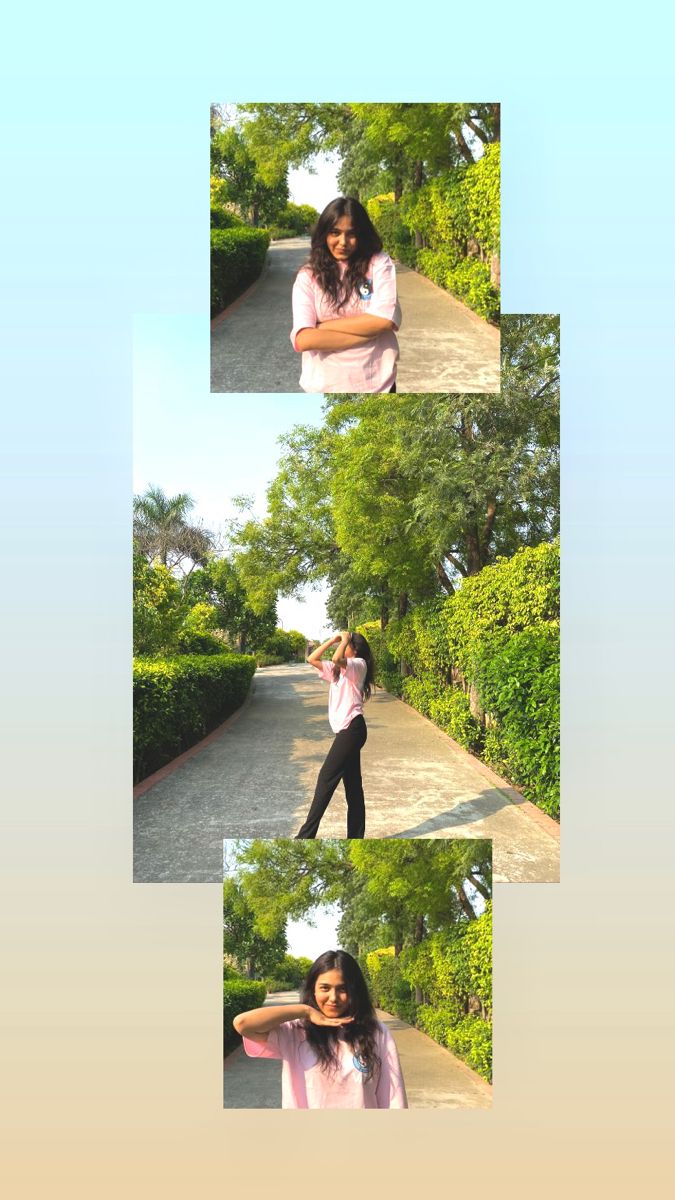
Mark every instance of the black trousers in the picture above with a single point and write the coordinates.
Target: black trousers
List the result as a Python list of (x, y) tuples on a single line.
[(343, 762)]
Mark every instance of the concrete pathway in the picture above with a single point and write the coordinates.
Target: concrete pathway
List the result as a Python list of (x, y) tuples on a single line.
[(256, 779), (444, 346), (434, 1078)]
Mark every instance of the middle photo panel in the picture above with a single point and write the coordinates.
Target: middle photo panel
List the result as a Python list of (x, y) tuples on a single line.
[(347, 620)]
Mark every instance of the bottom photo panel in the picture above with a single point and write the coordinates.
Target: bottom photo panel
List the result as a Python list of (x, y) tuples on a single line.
[(357, 973)]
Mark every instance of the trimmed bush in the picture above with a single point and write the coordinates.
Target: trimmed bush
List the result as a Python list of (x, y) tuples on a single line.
[(239, 995), (485, 667), (396, 238), (269, 660), (280, 235), (518, 681), (177, 701), (389, 989), (457, 215), (470, 1038), (222, 218), (454, 972), (237, 259)]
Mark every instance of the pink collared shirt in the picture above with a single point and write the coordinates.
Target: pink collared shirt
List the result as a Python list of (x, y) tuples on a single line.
[(305, 1085), (367, 368), (345, 698)]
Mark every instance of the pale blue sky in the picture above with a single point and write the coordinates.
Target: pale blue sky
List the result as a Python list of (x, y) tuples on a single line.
[(187, 439)]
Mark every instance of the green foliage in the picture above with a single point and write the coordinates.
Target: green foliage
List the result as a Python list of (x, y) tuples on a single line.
[(158, 607), (289, 975), (470, 1038), (397, 240), (453, 969), (284, 645), (239, 995), (222, 218), (294, 220), (178, 701), (518, 680), (390, 990), (219, 584), (452, 713), (237, 180), (457, 215), (255, 953), (279, 234), (500, 632), (196, 633), (509, 596), (237, 259), (268, 660)]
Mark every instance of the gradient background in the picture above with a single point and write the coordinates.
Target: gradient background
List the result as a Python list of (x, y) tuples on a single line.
[(112, 1033)]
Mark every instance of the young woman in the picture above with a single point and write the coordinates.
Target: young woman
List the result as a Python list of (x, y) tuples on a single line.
[(350, 676), (335, 1052), (345, 310)]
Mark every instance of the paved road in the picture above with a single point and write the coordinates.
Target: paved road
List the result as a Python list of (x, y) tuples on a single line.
[(444, 346), (257, 778), (434, 1078)]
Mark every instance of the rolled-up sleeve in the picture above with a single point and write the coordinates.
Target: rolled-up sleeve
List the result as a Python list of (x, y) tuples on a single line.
[(268, 1049), (304, 306), (385, 300)]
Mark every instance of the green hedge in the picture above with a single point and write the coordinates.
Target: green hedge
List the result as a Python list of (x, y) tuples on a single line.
[(497, 638), (518, 680), (389, 989), (397, 239), (457, 215), (239, 995), (237, 259), (222, 218), (177, 701), (454, 974)]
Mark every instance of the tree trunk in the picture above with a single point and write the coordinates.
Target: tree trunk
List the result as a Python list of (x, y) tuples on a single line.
[(444, 579), (463, 147), (496, 112), (480, 887), (474, 556), (465, 903), (403, 604)]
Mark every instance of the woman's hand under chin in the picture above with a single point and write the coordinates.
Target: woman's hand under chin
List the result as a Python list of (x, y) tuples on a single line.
[(317, 1018)]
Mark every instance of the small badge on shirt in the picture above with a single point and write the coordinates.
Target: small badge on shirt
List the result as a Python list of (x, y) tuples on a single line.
[(366, 289), (360, 1065)]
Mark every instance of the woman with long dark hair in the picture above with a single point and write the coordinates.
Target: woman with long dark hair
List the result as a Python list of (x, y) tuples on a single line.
[(335, 1052), (351, 676), (345, 309)]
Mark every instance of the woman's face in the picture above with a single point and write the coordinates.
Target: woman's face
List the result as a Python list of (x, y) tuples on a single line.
[(350, 652), (342, 239), (331, 995)]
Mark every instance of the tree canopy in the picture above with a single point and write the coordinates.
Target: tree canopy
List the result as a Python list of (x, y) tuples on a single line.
[(396, 498)]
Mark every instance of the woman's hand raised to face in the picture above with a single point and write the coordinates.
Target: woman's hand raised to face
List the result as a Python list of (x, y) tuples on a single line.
[(317, 1018)]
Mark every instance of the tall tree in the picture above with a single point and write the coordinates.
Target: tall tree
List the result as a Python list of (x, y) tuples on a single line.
[(256, 200), (219, 584), (163, 532), (255, 953)]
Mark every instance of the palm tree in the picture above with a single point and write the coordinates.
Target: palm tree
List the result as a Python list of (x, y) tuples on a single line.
[(163, 533)]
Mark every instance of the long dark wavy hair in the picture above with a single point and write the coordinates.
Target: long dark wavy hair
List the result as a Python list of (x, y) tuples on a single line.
[(325, 268), (361, 650), (360, 1033)]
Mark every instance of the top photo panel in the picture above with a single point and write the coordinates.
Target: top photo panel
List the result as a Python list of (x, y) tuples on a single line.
[(355, 248)]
